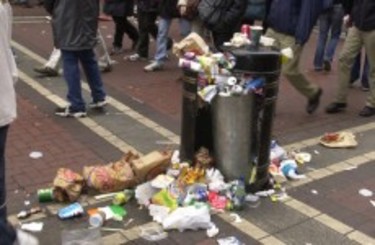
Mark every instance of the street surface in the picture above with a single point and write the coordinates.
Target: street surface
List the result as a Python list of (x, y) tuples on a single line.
[(144, 115)]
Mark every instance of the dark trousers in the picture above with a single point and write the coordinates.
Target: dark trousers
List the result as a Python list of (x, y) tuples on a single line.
[(72, 76), (146, 26), (7, 233), (124, 26)]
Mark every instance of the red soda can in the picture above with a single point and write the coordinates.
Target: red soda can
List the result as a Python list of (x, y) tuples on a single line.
[(245, 29)]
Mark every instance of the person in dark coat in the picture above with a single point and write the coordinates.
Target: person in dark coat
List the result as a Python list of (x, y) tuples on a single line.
[(75, 26), (290, 23), (120, 10)]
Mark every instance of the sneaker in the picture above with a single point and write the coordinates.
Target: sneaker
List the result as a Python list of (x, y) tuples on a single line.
[(327, 65), (135, 57), (98, 105), (154, 66), (365, 89), (24, 238), (116, 50), (68, 112), (335, 107), (313, 102), (105, 68), (317, 69), (367, 111), (47, 71)]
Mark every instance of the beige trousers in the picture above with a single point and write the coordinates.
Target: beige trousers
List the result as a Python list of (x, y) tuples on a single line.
[(291, 68), (352, 46)]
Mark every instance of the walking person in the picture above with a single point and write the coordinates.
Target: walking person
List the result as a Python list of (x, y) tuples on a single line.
[(168, 10), (75, 26), (8, 113), (362, 33), (290, 23), (120, 10), (357, 73), (330, 25), (147, 13)]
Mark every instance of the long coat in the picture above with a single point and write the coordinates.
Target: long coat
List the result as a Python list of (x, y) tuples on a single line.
[(8, 69)]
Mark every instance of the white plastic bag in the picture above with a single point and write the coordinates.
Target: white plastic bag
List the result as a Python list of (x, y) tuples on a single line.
[(188, 218)]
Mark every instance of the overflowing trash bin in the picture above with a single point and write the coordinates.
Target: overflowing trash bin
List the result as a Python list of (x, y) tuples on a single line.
[(233, 116)]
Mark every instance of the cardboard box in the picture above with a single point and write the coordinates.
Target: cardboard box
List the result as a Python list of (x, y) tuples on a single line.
[(151, 165)]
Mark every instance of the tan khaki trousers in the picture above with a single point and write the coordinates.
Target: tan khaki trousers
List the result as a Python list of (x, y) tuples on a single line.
[(291, 68), (352, 46)]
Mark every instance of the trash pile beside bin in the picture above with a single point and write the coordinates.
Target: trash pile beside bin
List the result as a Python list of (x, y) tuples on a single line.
[(182, 191)]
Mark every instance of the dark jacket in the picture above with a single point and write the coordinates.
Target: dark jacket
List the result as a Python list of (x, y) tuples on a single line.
[(74, 23), (294, 17), (222, 15), (168, 9), (362, 14), (118, 8), (147, 5)]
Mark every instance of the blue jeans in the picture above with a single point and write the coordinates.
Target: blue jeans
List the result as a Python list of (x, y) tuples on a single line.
[(73, 77), (7, 233), (356, 71), (330, 20), (162, 39)]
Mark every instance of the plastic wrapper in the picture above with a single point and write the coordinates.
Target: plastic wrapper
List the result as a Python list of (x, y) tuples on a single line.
[(158, 213), (164, 198), (144, 193), (162, 181), (82, 237), (112, 177), (192, 43), (153, 233), (188, 218), (67, 185)]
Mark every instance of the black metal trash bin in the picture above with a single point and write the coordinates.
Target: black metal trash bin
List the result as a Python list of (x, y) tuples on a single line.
[(263, 63), (213, 127), (196, 122)]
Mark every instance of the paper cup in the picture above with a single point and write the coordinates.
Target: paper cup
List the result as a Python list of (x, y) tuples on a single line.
[(256, 33)]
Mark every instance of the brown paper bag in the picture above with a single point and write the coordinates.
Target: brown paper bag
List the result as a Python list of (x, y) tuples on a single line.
[(112, 177), (67, 185)]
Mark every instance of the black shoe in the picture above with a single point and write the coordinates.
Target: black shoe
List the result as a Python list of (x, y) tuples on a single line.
[(169, 44), (335, 107), (313, 102), (327, 65), (47, 71), (367, 111)]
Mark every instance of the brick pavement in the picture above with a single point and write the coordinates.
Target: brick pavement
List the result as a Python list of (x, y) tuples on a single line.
[(269, 223)]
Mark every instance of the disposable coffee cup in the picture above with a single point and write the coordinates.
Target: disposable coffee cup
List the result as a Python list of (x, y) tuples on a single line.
[(256, 33)]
